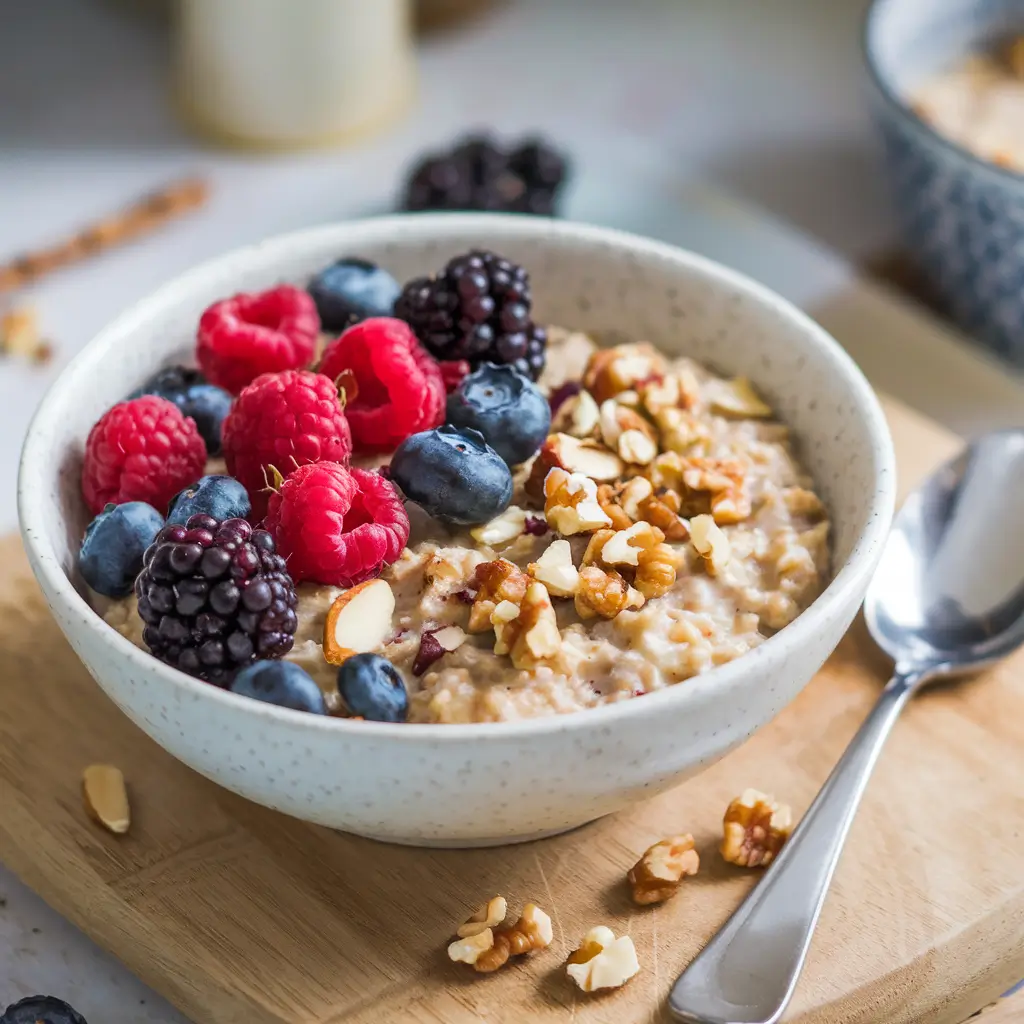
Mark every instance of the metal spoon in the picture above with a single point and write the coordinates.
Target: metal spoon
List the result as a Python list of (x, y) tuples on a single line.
[(948, 599)]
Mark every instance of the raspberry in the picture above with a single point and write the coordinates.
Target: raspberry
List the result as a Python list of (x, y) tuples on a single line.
[(399, 388), (284, 420), (337, 526), (261, 332), (141, 450), (453, 373)]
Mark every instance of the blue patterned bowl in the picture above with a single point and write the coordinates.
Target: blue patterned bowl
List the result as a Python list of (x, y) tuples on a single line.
[(963, 218)]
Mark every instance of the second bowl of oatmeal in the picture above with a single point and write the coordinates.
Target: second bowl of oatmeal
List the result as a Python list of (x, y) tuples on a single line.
[(948, 97), (687, 548)]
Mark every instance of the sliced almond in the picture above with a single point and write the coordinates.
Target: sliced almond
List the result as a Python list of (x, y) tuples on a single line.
[(451, 638), (555, 570), (106, 797), (503, 529), (358, 621), (637, 447), (585, 457), (737, 397)]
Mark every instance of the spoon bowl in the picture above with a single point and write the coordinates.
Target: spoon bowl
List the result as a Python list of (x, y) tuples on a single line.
[(949, 592)]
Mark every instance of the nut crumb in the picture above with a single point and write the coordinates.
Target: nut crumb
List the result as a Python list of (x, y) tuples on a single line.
[(106, 797), (659, 872), (602, 960), (711, 543), (20, 336), (755, 828)]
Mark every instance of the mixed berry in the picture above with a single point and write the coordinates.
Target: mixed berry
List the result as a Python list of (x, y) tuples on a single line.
[(436, 376)]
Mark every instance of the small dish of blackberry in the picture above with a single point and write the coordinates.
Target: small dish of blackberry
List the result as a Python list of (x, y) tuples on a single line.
[(480, 173)]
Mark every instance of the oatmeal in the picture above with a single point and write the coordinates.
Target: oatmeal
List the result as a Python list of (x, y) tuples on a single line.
[(979, 105), (617, 570)]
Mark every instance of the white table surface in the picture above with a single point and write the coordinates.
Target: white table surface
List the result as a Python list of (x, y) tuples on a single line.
[(762, 98)]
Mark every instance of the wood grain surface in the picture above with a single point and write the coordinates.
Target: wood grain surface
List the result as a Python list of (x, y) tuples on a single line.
[(242, 916)]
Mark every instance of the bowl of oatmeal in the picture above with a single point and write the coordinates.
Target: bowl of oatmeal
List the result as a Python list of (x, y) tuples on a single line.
[(640, 519), (948, 97)]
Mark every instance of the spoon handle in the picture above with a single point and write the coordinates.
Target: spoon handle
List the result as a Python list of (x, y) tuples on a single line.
[(746, 973)]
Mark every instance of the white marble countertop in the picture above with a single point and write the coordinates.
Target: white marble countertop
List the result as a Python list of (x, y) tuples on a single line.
[(763, 99)]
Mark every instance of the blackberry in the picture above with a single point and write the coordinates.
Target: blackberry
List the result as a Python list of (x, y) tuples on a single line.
[(478, 174), (41, 1010), (215, 596), (477, 309)]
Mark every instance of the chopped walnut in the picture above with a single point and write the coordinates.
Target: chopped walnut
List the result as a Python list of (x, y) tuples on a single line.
[(604, 593), (602, 960), (625, 431), (555, 570), (755, 828), (490, 915), (495, 582), (617, 515), (577, 416), (625, 547), (470, 949), (592, 555), (659, 872), (656, 570), (491, 948), (681, 431), (677, 389), (737, 397), (503, 529), (570, 503), (711, 543), (611, 371), (661, 509), (532, 637), (724, 480)]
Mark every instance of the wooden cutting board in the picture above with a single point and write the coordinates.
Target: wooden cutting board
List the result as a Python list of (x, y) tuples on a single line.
[(242, 916)]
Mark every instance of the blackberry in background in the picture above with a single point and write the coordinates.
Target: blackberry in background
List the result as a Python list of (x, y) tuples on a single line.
[(477, 309), (214, 597), (479, 174)]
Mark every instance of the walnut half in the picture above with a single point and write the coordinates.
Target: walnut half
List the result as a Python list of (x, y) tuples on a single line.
[(755, 828), (491, 948), (659, 872)]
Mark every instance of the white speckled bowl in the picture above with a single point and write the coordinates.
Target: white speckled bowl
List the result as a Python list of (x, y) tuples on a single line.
[(464, 785)]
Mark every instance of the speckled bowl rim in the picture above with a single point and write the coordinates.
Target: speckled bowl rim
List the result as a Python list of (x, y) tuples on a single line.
[(851, 578), (887, 91)]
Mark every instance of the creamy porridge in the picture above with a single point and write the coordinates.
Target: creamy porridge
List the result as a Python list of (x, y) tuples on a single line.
[(665, 527), (979, 104)]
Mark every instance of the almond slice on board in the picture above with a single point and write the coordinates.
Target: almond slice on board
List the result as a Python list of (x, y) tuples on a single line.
[(358, 621), (106, 797)]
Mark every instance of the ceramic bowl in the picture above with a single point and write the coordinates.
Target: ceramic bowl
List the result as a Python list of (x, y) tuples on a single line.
[(457, 785), (962, 218)]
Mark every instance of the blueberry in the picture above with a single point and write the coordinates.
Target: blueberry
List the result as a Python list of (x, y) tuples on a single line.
[(454, 475), (352, 290), (282, 683), (115, 541), (41, 1010), (221, 497), (188, 390), (506, 407), (372, 687)]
